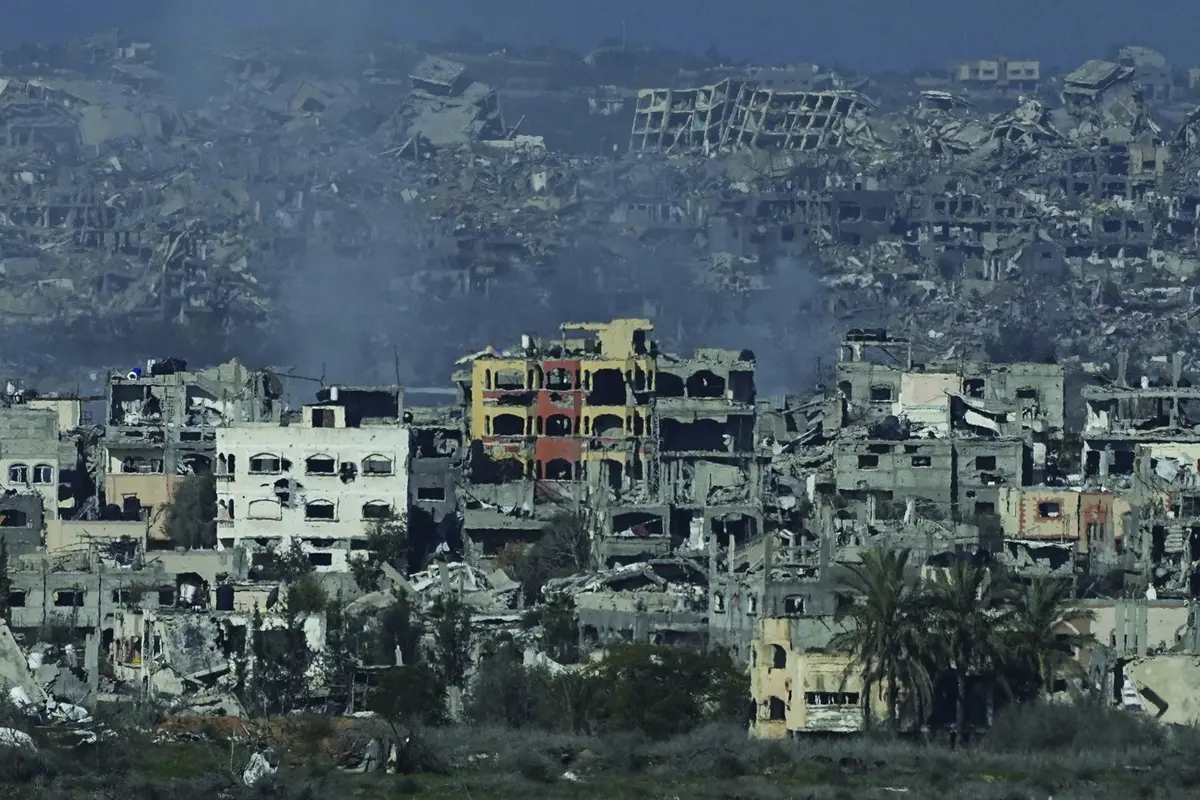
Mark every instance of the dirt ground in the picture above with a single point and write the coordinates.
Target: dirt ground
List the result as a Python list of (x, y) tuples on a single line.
[(295, 735)]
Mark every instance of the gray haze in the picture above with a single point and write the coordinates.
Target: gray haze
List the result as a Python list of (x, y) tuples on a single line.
[(338, 314)]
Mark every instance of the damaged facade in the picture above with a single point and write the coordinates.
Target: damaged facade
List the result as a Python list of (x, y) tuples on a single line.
[(1001, 246), (319, 478)]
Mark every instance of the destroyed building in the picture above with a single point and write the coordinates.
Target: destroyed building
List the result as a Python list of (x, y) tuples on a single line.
[(162, 424), (44, 468), (319, 478), (656, 449), (987, 237)]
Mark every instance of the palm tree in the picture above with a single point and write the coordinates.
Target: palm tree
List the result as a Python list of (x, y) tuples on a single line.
[(886, 635), (971, 613), (1036, 641)]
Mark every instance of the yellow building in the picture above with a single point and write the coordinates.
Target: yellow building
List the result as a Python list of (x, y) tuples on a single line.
[(553, 405), (800, 692)]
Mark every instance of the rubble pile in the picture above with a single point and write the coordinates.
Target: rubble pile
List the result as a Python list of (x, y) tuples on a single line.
[(941, 212), (985, 249)]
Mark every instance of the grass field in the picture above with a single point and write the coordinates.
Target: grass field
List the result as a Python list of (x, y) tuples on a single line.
[(1033, 753)]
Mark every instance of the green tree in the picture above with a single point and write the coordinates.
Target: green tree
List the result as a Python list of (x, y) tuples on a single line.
[(971, 612), (282, 655), (505, 692), (409, 696), (664, 691), (450, 620), (1036, 643), (399, 629), (191, 514), (5, 580), (886, 633), (387, 543), (564, 549)]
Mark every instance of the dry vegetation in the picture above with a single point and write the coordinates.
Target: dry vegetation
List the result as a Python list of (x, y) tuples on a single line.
[(1035, 752)]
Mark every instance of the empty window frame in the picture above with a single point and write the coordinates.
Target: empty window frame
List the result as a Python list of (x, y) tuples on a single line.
[(1049, 510), (69, 598), (265, 464), (376, 510), (377, 466), (320, 465), (431, 493), (320, 511), (881, 394)]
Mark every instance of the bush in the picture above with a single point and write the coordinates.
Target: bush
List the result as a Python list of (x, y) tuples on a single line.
[(1045, 727), (505, 692), (537, 767), (19, 766)]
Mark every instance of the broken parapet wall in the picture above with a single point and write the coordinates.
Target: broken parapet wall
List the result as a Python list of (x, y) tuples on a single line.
[(1168, 687)]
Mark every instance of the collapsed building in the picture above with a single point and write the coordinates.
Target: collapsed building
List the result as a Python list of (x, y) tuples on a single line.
[(928, 217)]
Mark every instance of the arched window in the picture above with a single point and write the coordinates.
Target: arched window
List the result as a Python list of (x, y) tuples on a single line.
[(558, 425), (13, 518), (608, 426), (558, 469), (377, 510), (778, 657), (558, 379), (776, 710), (509, 380), (43, 473), (18, 473), (320, 465), (264, 509), (705, 383), (320, 511), (265, 464), (376, 466)]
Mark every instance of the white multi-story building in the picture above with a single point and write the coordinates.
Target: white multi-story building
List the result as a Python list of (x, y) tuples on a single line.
[(322, 479)]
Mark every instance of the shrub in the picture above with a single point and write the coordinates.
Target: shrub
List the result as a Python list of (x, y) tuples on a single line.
[(1045, 727)]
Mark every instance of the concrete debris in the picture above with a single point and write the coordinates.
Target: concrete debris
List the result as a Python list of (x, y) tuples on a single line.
[(10, 737), (257, 769), (1009, 257)]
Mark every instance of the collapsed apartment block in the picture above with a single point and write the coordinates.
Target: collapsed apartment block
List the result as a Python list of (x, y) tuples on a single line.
[(446, 108), (435, 466), (660, 601), (1057, 531), (1121, 416), (86, 595), (162, 425), (947, 436), (319, 478), (654, 449), (1106, 94), (733, 114)]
